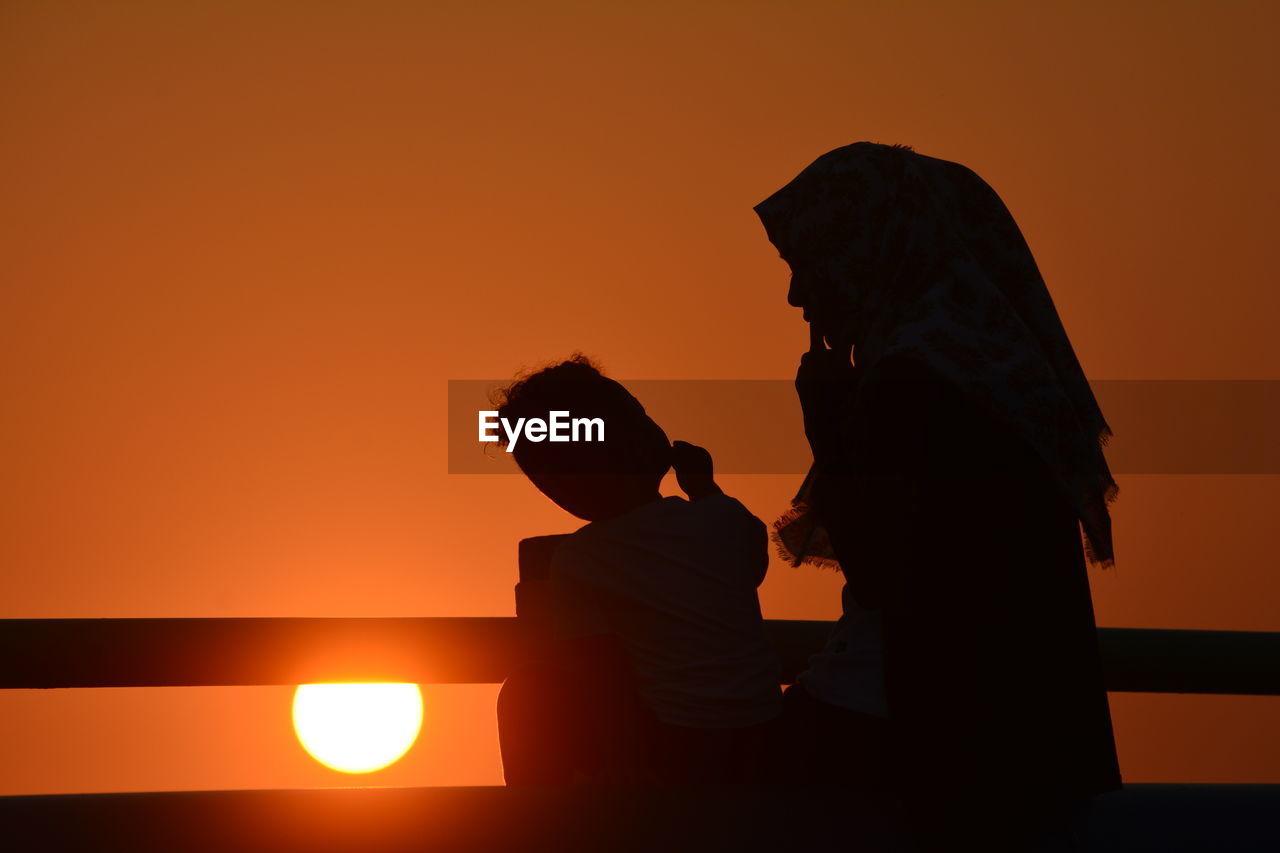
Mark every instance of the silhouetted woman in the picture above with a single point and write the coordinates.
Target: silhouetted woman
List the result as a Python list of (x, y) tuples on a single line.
[(957, 458)]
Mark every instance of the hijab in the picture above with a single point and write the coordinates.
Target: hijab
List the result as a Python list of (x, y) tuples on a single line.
[(928, 264)]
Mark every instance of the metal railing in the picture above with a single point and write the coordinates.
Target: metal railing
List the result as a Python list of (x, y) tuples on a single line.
[(77, 653), (57, 653)]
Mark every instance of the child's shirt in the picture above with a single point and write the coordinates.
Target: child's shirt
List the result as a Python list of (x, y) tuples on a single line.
[(676, 582)]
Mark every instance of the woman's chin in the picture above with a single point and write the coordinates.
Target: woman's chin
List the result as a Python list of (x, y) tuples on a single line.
[(838, 343)]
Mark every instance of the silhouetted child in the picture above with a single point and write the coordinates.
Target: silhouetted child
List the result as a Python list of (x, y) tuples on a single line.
[(663, 670)]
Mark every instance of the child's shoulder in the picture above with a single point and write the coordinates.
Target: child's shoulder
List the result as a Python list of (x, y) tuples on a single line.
[(724, 511), (721, 503), (669, 515)]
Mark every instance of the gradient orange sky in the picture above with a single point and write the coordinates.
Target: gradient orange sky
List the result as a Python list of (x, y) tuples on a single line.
[(244, 246)]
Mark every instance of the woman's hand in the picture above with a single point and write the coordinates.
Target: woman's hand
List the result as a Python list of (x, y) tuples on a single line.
[(824, 381)]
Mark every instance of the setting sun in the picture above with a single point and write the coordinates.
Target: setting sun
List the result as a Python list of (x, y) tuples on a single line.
[(357, 728)]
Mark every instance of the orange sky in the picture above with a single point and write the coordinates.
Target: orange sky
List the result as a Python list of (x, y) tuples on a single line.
[(244, 246)]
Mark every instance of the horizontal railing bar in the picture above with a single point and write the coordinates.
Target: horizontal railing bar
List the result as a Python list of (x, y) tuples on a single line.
[(742, 819), (53, 653), (44, 653)]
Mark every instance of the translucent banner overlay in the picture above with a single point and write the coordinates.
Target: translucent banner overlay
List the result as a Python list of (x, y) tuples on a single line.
[(1220, 426)]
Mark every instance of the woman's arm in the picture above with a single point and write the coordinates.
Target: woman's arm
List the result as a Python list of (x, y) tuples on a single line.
[(824, 383), (879, 456)]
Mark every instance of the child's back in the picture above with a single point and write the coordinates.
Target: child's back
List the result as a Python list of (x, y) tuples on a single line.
[(675, 581)]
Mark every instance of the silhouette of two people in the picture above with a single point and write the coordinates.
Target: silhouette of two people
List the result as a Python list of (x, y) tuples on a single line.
[(958, 484)]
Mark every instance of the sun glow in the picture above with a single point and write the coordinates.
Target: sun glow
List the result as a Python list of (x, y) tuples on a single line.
[(357, 728)]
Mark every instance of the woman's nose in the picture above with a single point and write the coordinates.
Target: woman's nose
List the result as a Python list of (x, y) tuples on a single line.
[(797, 293)]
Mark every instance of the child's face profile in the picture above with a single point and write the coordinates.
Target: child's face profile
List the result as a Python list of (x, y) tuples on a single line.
[(595, 497), (607, 470), (600, 480)]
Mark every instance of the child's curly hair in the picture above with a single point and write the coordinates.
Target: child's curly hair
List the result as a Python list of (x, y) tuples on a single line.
[(633, 443)]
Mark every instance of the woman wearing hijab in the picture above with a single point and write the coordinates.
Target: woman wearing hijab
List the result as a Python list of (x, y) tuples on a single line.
[(957, 460)]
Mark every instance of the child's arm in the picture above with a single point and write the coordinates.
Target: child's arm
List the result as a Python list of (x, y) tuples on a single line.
[(694, 470)]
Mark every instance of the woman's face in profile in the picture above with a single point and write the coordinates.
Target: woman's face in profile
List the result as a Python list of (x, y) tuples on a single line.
[(813, 293)]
